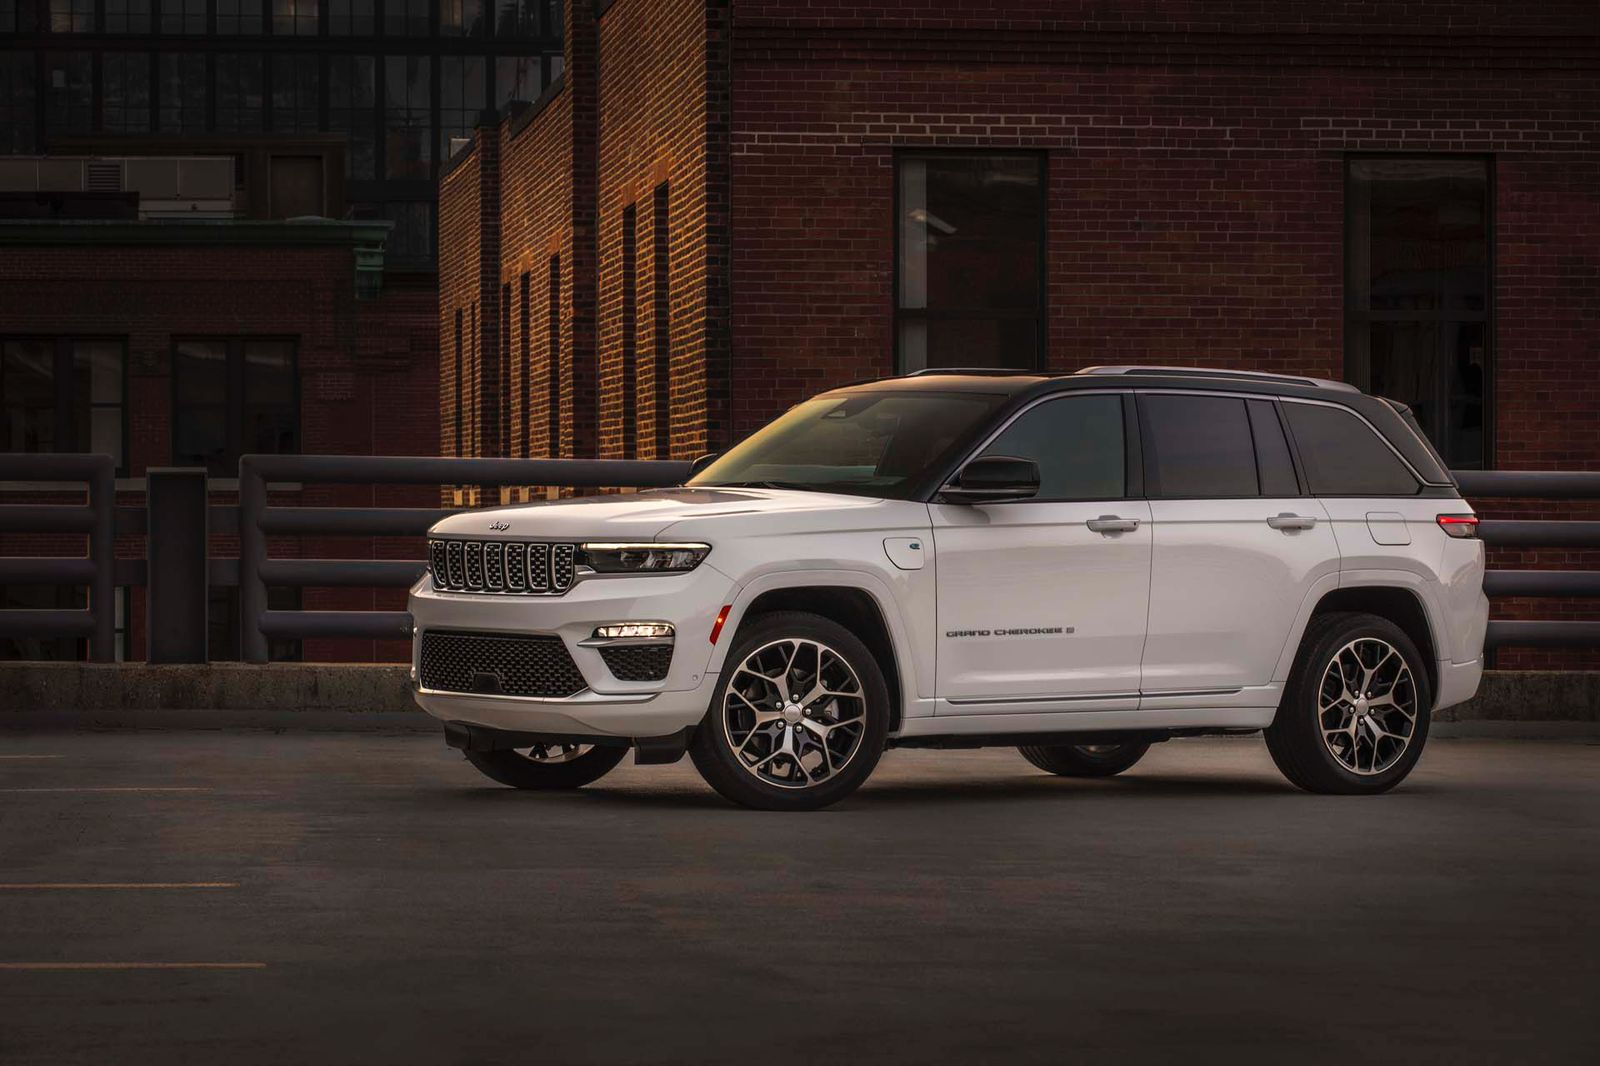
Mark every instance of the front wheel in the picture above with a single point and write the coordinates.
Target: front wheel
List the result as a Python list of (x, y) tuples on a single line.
[(548, 766), (1355, 713), (799, 717)]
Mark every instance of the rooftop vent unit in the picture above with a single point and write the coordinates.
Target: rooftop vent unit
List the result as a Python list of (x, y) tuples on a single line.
[(167, 187)]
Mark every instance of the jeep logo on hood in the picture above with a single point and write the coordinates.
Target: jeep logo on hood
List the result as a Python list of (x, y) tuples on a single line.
[(499, 527)]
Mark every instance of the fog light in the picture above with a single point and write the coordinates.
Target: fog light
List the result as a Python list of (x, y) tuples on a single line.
[(625, 630)]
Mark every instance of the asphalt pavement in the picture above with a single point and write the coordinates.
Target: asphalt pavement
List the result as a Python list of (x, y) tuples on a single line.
[(250, 897)]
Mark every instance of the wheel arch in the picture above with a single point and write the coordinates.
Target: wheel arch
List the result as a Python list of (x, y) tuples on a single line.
[(1398, 604), (851, 605)]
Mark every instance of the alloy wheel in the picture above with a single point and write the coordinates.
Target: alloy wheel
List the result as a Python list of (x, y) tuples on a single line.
[(794, 713), (1367, 706)]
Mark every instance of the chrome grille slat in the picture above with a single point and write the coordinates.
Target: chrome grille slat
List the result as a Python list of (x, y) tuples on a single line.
[(539, 567), (502, 567), (561, 567), (516, 567), (494, 566)]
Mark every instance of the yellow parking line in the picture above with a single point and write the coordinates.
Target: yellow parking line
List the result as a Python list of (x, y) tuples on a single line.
[(133, 966), (108, 789), (24, 886)]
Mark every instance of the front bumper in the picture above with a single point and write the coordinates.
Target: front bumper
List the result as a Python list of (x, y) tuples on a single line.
[(607, 706)]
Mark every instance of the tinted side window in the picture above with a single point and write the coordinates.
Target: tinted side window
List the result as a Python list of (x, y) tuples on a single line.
[(1343, 456), (1272, 451), (1198, 446), (1078, 443)]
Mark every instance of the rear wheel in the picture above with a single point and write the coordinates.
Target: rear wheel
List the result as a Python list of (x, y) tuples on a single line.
[(799, 717), (1355, 713), (1085, 760), (548, 766)]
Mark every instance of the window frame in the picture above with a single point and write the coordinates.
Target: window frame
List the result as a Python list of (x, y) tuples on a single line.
[(234, 399), (1041, 315), (1423, 487), (1439, 317), (1133, 477), (64, 398)]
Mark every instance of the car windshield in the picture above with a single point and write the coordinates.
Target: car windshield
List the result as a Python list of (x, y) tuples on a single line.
[(865, 443)]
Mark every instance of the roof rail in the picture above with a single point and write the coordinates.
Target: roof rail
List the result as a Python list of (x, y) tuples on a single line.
[(1218, 372), (977, 371)]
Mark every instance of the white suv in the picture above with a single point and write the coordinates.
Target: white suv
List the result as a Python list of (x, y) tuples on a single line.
[(1075, 565)]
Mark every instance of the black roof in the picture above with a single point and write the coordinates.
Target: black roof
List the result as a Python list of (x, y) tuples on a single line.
[(1023, 386)]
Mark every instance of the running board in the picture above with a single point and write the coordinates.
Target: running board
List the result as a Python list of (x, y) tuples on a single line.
[(1055, 738)]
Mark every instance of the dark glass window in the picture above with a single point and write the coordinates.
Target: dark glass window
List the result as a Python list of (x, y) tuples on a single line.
[(1078, 442), (239, 103), (461, 18), (16, 102), (1343, 456), (350, 18), (125, 92), (407, 148), (411, 240), (233, 397), (238, 16), (1417, 294), (127, 16), (295, 86), (1197, 446), (517, 78), (62, 395), (294, 18), (71, 16), (1272, 451), (183, 16), (406, 18), (70, 85), (352, 89), (461, 86), (970, 259), (183, 92), (516, 18)]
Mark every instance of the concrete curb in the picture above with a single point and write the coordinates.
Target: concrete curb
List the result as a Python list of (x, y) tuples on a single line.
[(363, 696)]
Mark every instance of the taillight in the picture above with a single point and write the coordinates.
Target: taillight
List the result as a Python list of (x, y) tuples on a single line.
[(1460, 526)]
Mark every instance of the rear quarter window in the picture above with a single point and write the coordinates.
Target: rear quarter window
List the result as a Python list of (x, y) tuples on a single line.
[(1343, 456)]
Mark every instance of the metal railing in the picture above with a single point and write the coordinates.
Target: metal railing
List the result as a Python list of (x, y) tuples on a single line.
[(97, 569), (1537, 533), (259, 520), (256, 520)]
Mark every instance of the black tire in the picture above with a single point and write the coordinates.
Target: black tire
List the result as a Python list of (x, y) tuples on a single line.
[(1085, 760), (522, 771), (1298, 737), (716, 754)]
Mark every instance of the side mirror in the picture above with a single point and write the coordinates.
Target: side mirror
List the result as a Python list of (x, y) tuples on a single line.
[(993, 479), (701, 463)]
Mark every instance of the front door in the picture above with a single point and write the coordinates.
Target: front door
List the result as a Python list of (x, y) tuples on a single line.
[(1042, 602)]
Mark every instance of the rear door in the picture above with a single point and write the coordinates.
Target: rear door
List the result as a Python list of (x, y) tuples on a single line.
[(1042, 602), (1237, 544)]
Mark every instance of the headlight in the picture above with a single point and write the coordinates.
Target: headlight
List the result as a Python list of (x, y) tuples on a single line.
[(643, 558)]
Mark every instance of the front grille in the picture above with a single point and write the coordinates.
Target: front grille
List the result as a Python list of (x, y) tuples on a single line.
[(498, 664), (502, 566), (637, 662)]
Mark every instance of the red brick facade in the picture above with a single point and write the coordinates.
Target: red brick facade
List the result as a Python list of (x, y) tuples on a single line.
[(1195, 159), (368, 372)]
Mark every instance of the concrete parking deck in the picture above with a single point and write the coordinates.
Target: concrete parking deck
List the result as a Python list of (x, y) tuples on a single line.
[(342, 898)]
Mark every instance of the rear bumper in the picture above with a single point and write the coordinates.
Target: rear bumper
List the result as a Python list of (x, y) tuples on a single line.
[(1458, 682)]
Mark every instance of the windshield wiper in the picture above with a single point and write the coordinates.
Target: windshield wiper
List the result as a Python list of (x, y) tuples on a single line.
[(765, 485)]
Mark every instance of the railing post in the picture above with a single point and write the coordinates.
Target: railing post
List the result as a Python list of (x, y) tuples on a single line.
[(102, 550), (252, 554), (177, 565)]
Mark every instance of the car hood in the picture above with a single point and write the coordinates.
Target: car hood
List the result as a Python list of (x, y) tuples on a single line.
[(646, 515)]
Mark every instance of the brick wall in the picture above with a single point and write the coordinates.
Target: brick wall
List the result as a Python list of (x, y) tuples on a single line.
[(368, 372)]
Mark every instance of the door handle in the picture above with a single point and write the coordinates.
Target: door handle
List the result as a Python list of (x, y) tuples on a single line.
[(1287, 521), (1110, 523)]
